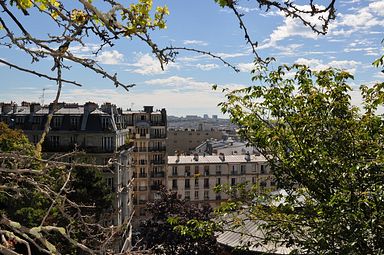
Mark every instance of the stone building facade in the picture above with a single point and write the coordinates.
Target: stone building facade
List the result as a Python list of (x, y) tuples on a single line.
[(99, 131), (194, 177)]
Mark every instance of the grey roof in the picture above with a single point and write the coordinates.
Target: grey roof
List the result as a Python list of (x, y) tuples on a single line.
[(214, 159), (249, 232)]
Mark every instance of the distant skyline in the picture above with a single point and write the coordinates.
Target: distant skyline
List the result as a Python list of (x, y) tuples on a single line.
[(184, 88)]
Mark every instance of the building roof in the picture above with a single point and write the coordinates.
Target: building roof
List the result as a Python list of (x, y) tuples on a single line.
[(214, 159), (250, 233)]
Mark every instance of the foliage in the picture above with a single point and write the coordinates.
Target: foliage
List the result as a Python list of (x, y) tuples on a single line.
[(14, 140), (325, 153), (35, 196), (176, 227)]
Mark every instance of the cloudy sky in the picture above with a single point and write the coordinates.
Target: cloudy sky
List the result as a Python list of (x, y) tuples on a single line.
[(184, 87)]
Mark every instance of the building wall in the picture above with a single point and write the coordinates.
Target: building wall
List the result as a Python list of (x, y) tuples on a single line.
[(204, 173), (185, 141)]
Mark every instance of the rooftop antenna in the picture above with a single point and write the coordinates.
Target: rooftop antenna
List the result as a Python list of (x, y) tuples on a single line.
[(42, 96)]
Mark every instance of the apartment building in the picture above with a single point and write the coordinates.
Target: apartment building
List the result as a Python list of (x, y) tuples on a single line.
[(148, 131), (99, 131), (194, 177), (186, 140)]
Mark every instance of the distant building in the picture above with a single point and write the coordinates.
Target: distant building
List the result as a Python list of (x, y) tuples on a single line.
[(185, 141), (100, 131), (103, 132), (227, 146), (148, 130), (194, 177)]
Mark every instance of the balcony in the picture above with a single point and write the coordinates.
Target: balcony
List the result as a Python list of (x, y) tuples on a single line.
[(140, 149), (157, 123), (142, 202), (206, 186), (158, 162), (174, 187), (155, 187), (157, 148), (158, 136), (143, 188), (143, 175), (158, 174)]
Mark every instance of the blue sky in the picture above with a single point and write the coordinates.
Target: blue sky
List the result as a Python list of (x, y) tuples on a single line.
[(353, 43)]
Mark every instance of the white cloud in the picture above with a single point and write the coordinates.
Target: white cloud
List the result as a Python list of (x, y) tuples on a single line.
[(195, 42), (231, 55), (181, 83), (246, 9), (207, 67), (110, 57), (82, 49), (317, 64), (293, 27), (246, 67), (361, 20), (148, 65)]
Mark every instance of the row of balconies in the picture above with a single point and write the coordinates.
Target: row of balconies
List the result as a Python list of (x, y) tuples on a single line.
[(217, 173), (160, 174), (149, 149), (189, 187)]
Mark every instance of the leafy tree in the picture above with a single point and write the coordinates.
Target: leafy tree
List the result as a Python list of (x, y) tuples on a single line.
[(51, 205), (326, 153), (161, 233)]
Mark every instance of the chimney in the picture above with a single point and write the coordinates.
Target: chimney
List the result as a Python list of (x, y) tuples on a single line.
[(148, 109), (196, 157), (58, 106), (90, 107), (34, 107), (247, 156), (222, 157), (177, 157), (6, 108)]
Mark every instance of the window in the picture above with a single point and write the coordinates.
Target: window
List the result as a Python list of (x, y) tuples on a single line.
[(174, 170), (196, 169), (57, 121), (253, 180), (206, 195), (187, 170), (262, 169), (196, 194), (74, 121), (54, 141), (35, 139), (206, 170), (218, 170), (20, 120), (73, 139), (174, 184), (206, 183), (233, 181), (187, 195), (36, 120), (242, 169), (110, 183), (187, 184), (196, 183), (107, 143), (218, 181)]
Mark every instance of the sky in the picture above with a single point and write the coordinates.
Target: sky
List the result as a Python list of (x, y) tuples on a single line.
[(353, 42)]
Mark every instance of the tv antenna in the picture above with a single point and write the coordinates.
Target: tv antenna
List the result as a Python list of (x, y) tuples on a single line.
[(42, 96)]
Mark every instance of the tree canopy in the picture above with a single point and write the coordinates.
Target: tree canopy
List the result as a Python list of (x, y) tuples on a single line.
[(325, 153)]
